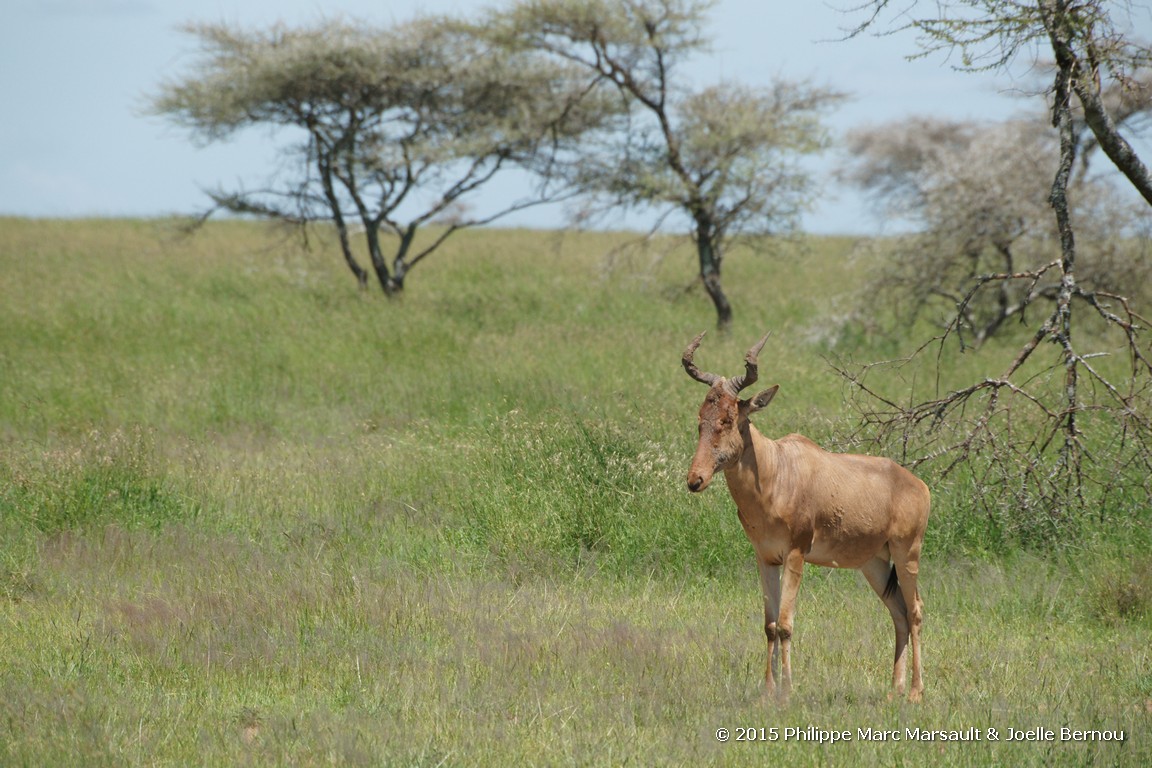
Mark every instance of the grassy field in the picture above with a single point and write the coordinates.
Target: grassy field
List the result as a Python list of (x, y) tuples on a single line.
[(251, 517)]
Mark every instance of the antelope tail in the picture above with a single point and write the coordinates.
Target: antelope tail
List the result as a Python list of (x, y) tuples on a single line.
[(892, 585)]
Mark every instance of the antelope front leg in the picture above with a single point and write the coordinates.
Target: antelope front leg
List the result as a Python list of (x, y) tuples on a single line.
[(793, 572), (770, 585)]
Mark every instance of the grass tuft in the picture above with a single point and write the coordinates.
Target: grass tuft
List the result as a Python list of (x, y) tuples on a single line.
[(106, 478)]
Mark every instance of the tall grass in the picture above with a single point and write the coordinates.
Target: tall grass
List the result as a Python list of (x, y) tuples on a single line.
[(251, 516)]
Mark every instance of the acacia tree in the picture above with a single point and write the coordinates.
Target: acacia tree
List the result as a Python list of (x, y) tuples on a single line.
[(1039, 435), (977, 195), (397, 127), (724, 158)]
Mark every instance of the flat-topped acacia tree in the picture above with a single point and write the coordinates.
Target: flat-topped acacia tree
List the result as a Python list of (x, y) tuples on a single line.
[(722, 159), (396, 127)]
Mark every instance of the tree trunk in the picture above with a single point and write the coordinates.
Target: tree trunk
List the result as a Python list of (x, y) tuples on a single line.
[(1067, 75), (325, 169), (391, 281), (349, 259), (710, 273), (719, 300)]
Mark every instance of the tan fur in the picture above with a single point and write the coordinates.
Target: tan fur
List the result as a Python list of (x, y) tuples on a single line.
[(801, 504)]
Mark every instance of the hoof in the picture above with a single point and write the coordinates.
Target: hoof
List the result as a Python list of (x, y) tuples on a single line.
[(915, 695), (776, 696)]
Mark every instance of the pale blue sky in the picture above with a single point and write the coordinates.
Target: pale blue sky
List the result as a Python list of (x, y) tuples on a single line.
[(73, 74)]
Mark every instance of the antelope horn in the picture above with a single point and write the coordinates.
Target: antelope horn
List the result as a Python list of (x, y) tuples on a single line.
[(751, 368), (690, 367)]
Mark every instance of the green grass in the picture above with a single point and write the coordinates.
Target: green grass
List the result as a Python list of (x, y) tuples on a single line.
[(250, 516)]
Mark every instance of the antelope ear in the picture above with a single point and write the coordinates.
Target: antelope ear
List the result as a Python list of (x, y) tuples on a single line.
[(761, 400)]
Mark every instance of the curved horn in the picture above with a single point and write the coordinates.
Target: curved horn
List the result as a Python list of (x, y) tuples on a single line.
[(690, 367), (751, 368)]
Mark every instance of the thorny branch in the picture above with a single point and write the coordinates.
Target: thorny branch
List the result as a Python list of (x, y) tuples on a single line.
[(1023, 439)]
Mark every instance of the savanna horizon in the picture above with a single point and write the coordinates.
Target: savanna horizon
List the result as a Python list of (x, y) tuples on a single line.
[(251, 515)]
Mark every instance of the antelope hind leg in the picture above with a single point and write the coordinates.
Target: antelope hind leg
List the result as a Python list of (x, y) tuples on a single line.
[(878, 572)]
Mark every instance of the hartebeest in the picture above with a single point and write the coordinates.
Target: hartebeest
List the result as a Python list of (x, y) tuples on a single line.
[(801, 504)]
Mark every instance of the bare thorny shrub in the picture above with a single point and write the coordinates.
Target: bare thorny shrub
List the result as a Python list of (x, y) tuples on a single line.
[(1062, 431), (1048, 438)]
